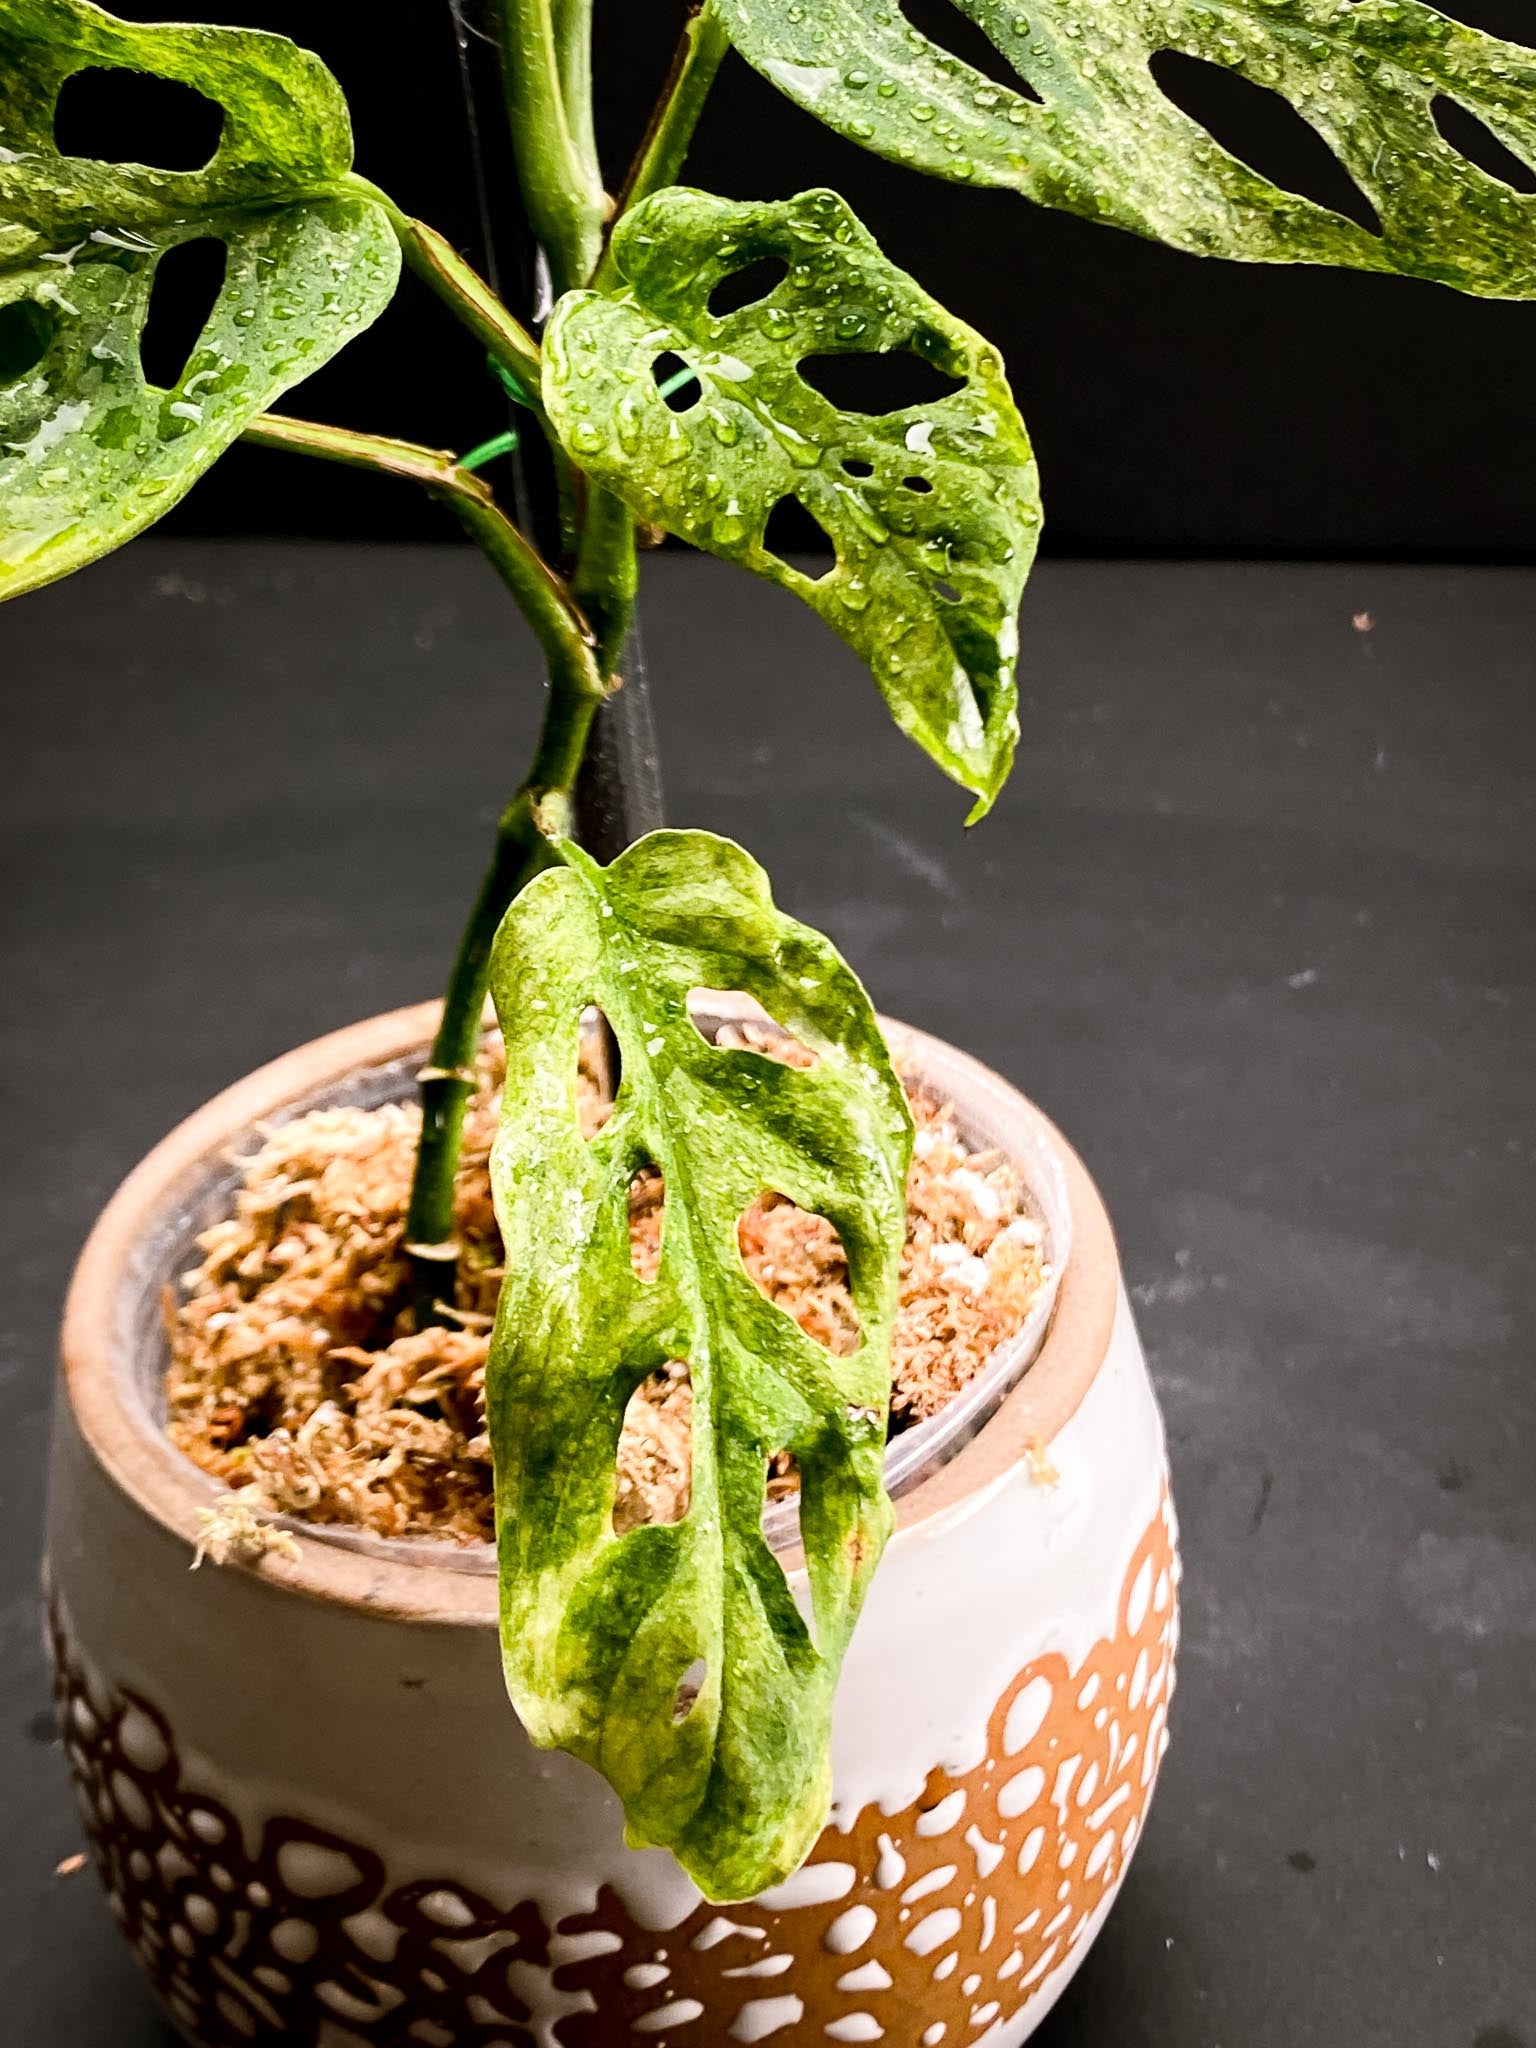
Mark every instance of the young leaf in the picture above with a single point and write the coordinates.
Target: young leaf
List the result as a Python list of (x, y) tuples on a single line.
[(932, 508), (674, 1658), (1099, 137), (90, 452)]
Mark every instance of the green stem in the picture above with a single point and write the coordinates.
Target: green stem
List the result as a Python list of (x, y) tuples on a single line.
[(438, 264), (540, 41), (607, 567), (542, 805), (573, 40), (448, 1080), (546, 74), (607, 574), (433, 258), (701, 50), (567, 639)]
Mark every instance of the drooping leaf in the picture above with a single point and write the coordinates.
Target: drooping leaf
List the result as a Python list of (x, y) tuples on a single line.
[(600, 1631), (933, 508), (1092, 131), (90, 452)]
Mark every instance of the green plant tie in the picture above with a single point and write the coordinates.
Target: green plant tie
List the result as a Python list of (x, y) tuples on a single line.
[(504, 443), (499, 444), (509, 381)]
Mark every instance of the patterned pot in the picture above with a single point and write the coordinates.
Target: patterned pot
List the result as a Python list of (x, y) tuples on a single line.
[(316, 1817)]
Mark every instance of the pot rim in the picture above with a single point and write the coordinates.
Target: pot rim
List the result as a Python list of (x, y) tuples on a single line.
[(418, 1581)]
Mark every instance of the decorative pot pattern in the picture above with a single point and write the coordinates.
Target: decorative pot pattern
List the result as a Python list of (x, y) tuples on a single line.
[(317, 1819), (1003, 1874)]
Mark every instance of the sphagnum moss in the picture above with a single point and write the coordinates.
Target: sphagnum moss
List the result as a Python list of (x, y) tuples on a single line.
[(295, 1378)]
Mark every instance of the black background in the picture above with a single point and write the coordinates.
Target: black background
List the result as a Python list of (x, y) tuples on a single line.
[(1178, 406)]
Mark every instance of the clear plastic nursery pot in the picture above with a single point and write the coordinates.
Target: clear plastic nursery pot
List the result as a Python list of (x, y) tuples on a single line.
[(317, 1818)]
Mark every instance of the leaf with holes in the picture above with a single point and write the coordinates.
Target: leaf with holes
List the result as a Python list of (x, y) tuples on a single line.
[(91, 453), (932, 508), (675, 1658), (1092, 131)]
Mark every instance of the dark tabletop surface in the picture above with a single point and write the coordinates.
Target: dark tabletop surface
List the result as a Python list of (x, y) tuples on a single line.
[(1254, 922)]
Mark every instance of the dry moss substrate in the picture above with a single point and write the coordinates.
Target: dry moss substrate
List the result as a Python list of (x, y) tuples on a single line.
[(296, 1377)]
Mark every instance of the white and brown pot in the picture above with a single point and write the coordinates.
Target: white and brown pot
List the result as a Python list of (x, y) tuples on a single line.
[(317, 1818)]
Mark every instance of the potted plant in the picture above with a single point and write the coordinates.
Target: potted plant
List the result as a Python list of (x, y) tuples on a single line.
[(650, 1332)]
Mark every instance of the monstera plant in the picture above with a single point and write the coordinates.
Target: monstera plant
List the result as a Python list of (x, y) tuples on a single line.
[(676, 1658)]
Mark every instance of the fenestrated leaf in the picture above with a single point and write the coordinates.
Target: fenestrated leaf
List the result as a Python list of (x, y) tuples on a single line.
[(933, 509), (1101, 139), (90, 453), (599, 1631)]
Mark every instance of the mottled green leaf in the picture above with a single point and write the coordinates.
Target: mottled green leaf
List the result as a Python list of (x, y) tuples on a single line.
[(599, 1631), (90, 453), (933, 509), (1100, 138)]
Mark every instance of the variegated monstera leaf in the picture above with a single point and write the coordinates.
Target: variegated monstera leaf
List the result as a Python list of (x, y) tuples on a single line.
[(90, 452), (674, 1657), (1091, 130), (933, 509)]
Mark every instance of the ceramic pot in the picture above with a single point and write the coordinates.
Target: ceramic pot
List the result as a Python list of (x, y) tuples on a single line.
[(317, 1818)]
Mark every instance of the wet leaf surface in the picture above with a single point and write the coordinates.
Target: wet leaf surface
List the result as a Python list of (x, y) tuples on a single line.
[(674, 1658), (1091, 130), (90, 452), (932, 507)]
